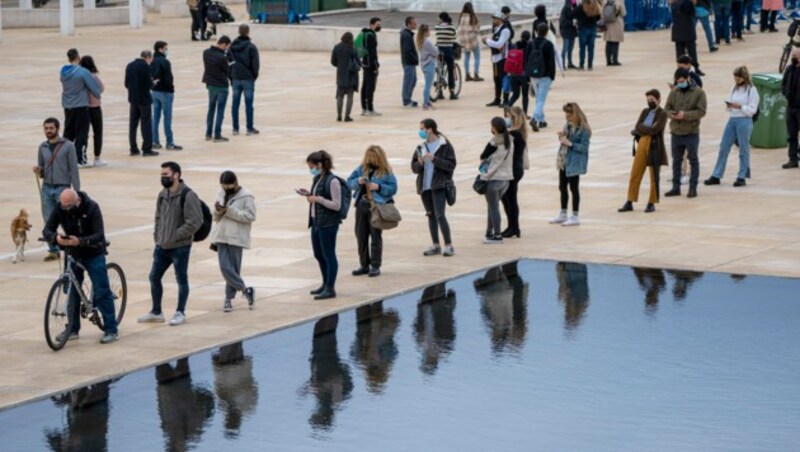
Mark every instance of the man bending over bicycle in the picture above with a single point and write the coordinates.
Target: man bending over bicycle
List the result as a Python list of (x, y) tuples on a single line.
[(82, 222)]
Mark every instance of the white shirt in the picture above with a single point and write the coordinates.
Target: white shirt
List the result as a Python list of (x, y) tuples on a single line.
[(747, 97), (499, 44)]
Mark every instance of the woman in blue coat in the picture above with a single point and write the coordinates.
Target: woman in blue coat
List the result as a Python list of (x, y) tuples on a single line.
[(572, 161)]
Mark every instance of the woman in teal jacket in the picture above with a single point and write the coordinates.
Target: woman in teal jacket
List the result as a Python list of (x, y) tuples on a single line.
[(572, 161), (374, 176)]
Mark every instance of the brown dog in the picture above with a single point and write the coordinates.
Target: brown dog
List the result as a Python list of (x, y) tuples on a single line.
[(19, 233)]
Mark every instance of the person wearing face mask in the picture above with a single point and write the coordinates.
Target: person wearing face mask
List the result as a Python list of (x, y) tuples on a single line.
[(790, 87), (178, 216), (81, 221), (497, 169), (649, 152), (686, 106), (572, 161), (515, 121), (234, 213), (372, 179), (325, 202), (498, 44), (434, 161), (163, 95), (371, 67)]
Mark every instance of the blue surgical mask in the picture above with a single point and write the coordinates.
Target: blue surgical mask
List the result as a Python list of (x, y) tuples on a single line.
[(314, 172), (423, 134), (508, 122), (682, 85)]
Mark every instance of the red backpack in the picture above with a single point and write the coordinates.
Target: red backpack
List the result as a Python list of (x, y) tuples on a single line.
[(515, 62)]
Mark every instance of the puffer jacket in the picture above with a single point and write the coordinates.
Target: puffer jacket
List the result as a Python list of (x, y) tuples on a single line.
[(500, 160), (233, 227)]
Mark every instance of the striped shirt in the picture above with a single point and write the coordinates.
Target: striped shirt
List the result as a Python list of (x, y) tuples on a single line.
[(445, 35)]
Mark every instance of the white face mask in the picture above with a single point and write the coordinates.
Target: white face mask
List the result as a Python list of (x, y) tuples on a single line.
[(166, 54)]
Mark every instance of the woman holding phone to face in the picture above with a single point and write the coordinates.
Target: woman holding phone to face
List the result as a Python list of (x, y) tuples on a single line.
[(324, 201)]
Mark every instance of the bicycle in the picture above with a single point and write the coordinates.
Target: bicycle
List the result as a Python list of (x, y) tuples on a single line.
[(794, 41), (56, 318), (439, 84)]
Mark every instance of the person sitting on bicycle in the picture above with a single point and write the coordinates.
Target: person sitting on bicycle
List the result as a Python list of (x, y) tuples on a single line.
[(82, 222)]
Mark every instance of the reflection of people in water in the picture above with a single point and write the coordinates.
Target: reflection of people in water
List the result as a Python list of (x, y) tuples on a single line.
[(330, 382), (652, 282), (184, 409), (683, 281), (374, 348), (573, 291), (504, 297), (87, 413), (435, 327), (237, 390)]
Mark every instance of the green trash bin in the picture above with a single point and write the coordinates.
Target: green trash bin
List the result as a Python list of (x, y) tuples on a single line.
[(770, 129)]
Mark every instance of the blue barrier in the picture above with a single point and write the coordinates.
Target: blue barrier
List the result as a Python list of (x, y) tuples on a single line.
[(647, 15)]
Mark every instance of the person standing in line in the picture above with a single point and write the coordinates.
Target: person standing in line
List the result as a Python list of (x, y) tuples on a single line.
[(515, 120), (163, 95), (95, 111), (139, 82), (197, 18), (748, 13), (216, 71), (722, 21), (57, 166), (703, 15), (521, 84), (684, 35), (410, 60), (445, 38), (572, 161), (541, 48), (649, 152), (234, 213), (76, 85), (498, 44), (741, 104), (587, 15), (497, 170), (324, 204), (374, 179), (737, 19), (469, 29), (566, 25), (345, 59), (244, 74), (371, 67), (615, 34), (179, 216), (686, 106), (769, 13), (790, 88), (429, 55), (433, 162)]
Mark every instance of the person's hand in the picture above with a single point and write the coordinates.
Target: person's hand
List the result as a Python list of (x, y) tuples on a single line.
[(219, 207), (37, 170), (362, 181), (68, 241), (560, 133), (734, 105), (679, 115), (373, 186), (427, 156), (311, 199)]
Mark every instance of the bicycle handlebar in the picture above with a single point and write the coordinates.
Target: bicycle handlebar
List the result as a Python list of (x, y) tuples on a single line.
[(106, 244)]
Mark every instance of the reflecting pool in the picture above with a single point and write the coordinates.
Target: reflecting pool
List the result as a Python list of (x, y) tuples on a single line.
[(532, 355)]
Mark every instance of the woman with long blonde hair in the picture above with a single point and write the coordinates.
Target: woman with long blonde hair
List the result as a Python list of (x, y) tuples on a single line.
[(428, 56), (517, 127), (372, 178), (572, 161)]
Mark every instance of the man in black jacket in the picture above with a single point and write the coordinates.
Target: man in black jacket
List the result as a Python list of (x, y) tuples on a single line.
[(138, 82), (244, 74), (410, 59), (684, 33), (163, 95), (216, 71), (544, 49), (370, 64), (82, 222), (790, 87)]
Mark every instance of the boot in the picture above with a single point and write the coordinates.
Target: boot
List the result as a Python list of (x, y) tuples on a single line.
[(469, 77), (627, 207), (477, 78), (327, 293)]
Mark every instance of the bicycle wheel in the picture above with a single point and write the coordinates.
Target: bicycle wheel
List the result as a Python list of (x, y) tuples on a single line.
[(437, 85), (55, 314), (457, 79), (787, 51), (119, 287)]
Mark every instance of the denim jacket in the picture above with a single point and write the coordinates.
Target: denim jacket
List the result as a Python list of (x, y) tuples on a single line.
[(578, 155), (387, 184)]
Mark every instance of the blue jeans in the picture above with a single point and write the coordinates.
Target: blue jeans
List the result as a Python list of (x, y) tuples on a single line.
[(323, 242), (50, 194), (162, 101), (541, 86), (216, 102), (102, 297), (162, 259), (477, 52), (248, 87), (428, 71), (586, 37), (706, 22), (748, 14), (566, 52), (722, 23), (409, 82), (736, 129)]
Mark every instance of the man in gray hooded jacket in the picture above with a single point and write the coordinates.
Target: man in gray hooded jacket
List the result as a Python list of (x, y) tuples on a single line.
[(76, 84)]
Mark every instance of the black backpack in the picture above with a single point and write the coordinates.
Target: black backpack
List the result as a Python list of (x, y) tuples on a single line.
[(347, 197), (205, 229), (535, 66), (214, 14)]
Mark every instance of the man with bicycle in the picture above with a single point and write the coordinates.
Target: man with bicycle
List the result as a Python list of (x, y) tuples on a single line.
[(82, 222)]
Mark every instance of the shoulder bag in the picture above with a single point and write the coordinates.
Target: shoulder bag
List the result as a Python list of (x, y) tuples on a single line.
[(382, 216), (480, 185)]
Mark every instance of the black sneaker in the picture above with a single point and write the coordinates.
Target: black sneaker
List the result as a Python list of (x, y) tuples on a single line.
[(326, 294), (156, 145), (673, 192), (542, 124), (494, 103), (149, 154), (252, 132), (711, 181), (692, 193), (699, 72), (250, 295), (135, 153), (220, 139), (790, 164), (317, 291), (627, 207), (650, 208), (174, 147), (360, 271), (739, 183), (374, 271)]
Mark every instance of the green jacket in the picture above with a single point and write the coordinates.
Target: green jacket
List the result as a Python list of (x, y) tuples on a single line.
[(692, 103)]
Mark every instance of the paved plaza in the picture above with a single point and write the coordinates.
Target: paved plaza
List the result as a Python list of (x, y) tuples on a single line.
[(750, 230)]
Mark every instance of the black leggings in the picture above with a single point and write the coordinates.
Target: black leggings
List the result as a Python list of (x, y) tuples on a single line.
[(96, 120), (520, 86), (572, 182)]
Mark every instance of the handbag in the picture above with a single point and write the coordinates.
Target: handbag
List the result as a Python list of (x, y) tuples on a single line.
[(382, 216), (450, 192), (481, 186), (355, 64)]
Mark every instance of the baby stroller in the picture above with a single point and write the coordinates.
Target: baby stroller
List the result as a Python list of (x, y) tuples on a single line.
[(217, 12)]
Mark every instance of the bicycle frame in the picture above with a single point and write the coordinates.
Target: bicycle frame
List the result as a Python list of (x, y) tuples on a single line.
[(86, 304)]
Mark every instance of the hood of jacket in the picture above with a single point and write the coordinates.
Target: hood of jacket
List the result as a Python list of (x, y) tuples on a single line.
[(241, 43), (68, 71)]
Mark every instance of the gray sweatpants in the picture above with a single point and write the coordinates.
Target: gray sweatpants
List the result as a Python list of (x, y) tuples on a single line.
[(230, 264), (494, 192)]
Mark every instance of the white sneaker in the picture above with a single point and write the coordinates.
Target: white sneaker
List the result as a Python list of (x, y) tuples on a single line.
[(561, 218), (99, 163), (84, 165), (178, 319), (684, 180), (571, 221), (151, 318), (375, 113)]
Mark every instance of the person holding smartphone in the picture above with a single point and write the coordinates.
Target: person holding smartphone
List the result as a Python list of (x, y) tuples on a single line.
[(742, 105), (324, 202), (686, 106)]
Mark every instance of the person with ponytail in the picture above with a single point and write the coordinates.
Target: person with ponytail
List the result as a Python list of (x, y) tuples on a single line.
[(497, 169), (324, 202)]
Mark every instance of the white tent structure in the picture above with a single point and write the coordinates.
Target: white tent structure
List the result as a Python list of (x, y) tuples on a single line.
[(485, 6)]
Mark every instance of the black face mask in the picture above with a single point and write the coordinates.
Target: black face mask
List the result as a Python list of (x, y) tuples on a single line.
[(377, 29), (795, 61), (652, 105), (166, 181), (231, 191)]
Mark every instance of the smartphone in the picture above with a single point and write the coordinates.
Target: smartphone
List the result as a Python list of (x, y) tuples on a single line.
[(302, 192), (727, 103)]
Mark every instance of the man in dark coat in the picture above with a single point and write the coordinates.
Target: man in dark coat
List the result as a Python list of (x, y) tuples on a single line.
[(371, 66), (216, 71), (345, 60), (163, 95), (244, 74), (410, 59), (138, 82), (684, 35)]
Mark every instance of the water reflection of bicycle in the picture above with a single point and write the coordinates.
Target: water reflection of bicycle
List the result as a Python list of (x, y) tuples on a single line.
[(441, 83)]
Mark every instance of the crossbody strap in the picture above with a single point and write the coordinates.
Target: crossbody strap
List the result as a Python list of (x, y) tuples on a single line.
[(55, 154)]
